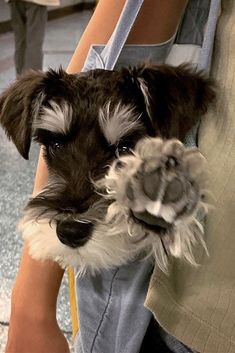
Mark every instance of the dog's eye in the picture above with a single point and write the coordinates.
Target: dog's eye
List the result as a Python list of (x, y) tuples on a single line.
[(54, 147), (122, 149)]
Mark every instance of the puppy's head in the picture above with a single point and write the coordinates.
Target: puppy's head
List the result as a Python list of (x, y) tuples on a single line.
[(85, 121)]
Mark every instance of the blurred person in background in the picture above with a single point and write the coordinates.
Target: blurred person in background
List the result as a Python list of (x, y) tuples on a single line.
[(28, 23)]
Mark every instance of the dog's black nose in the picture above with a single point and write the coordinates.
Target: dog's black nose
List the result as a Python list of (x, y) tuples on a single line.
[(72, 233)]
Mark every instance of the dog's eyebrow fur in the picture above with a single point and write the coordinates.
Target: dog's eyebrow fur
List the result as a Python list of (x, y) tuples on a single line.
[(118, 121), (56, 118)]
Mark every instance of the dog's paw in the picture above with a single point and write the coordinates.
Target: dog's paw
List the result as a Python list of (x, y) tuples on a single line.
[(169, 183), (161, 187)]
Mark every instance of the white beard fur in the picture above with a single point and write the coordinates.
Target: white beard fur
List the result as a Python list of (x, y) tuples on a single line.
[(113, 243)]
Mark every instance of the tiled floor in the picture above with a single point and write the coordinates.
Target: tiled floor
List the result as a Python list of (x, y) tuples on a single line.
[(16, 175)]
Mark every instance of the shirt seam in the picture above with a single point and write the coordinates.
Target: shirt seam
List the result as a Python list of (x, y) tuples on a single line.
[(105, 310)]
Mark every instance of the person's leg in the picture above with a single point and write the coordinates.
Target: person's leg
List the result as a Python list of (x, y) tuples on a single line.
[(18, 18), (35, 31)]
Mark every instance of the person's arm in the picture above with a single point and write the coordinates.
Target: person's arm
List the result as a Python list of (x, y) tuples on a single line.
[(33, 325), (157, 22)]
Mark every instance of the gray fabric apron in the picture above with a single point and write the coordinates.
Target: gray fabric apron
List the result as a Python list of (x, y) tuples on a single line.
[(112, 316)]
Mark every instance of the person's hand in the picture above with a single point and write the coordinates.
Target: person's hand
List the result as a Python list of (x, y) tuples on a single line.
[(31, 336)]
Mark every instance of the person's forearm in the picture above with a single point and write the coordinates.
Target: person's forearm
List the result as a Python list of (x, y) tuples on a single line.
[(33, 325), (36, 289)]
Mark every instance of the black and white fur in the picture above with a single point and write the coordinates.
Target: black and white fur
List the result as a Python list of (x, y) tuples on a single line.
[(121, 184)]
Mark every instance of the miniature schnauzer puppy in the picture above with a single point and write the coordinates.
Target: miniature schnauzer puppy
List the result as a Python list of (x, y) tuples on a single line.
[(121, 183)]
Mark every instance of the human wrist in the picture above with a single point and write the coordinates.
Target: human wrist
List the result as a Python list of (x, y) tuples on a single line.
[(36, 289), (26, 309)]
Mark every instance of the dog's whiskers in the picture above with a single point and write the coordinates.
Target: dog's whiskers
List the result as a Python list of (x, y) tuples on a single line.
[(85, 221)]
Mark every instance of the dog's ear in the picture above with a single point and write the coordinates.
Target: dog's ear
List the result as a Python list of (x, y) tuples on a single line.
[(21, 103), (175, 97), (18, 105)]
